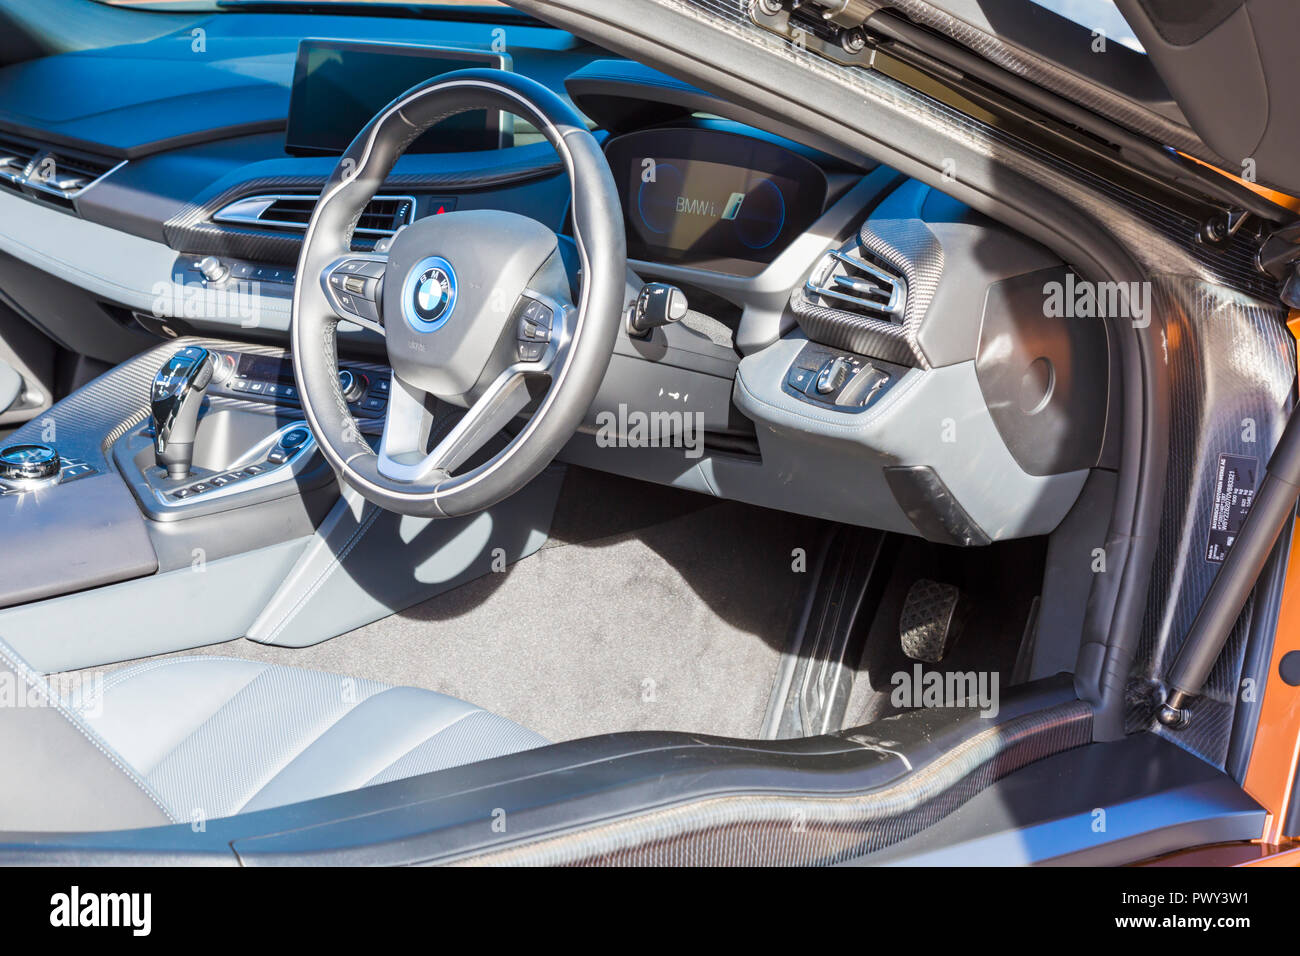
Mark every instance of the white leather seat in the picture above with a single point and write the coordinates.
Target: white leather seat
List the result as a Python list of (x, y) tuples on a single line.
[(195, 738)]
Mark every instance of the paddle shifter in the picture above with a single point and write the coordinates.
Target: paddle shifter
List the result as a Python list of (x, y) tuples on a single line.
[(175, 400)]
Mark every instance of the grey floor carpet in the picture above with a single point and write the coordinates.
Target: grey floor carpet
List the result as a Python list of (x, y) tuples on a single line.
[(675, 621)]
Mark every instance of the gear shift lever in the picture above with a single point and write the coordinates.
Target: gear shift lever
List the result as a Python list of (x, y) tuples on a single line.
[(175, 399)]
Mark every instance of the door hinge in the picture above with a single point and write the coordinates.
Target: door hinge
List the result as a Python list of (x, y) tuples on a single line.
[(830, 28), (1222, 226)]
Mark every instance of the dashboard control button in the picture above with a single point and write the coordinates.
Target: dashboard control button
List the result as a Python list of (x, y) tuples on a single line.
[(366, 309), (800, 378), (832, 376), (373, 268), (863, 387), (278, 456), (354, 284), (198, 489), (294, 439), (252, 471), (212, 269), (284, 391), (352, 384), (531, 351), (223, 368)]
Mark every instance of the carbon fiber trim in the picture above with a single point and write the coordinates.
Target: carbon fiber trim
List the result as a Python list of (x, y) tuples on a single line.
[(1232, 371), (1056, 79), (1231, 263), (192, 230), (909, 249), (912, 249), (810, 829), (861, 334)]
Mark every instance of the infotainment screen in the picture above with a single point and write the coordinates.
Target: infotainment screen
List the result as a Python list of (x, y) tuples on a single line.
[(339, 85), (713, 199)]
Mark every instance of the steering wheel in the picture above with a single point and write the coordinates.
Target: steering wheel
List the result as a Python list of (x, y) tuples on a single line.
[(474, 306)]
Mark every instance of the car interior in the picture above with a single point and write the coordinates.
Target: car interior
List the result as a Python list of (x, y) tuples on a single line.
[(382, 395)]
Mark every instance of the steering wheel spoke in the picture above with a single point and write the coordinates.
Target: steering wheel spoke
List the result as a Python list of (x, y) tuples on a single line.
[(410, 421), (354, 289)]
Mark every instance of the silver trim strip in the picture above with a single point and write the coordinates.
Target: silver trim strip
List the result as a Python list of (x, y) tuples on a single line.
[(247, 211), (287, 470), (21, 175)]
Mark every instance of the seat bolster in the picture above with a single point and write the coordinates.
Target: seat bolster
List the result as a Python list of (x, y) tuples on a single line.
[(363, 743), (57, 773), (189, 690), (477, 736)]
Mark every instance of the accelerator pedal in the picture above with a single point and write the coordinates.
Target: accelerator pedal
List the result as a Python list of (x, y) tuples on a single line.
[(932, 618)]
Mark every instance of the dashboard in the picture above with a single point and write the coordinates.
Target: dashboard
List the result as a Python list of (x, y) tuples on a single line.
[(838, 311)]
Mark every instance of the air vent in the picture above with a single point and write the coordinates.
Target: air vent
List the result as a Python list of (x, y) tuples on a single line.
[(14, 159), (383, 215), (847, 281), (38, 170)]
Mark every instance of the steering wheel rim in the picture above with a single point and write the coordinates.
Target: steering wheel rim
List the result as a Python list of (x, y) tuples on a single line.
[(401, 477)]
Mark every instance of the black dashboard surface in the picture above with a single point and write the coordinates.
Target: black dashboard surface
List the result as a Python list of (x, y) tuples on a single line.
[(228, 75), (200, 117)]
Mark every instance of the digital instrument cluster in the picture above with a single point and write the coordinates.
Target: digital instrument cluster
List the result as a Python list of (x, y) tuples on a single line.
[(713, 200)]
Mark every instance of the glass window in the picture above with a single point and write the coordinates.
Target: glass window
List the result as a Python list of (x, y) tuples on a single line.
[(1098, 15)]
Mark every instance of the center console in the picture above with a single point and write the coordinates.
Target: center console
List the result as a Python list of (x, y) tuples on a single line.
[(253, 446), (193, 444), (246, 533)]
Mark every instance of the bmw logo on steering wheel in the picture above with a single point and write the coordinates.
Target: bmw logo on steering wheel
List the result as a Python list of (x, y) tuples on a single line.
[(429, 296)]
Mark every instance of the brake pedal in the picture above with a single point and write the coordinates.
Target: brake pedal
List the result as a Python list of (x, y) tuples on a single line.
[(932, 617)]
